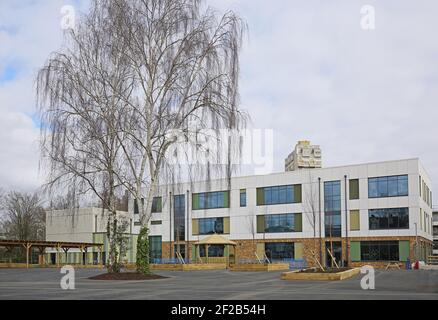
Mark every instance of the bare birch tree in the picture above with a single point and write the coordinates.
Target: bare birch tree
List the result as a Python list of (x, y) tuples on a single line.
[(81, 111), (185, 62), (138, 80)]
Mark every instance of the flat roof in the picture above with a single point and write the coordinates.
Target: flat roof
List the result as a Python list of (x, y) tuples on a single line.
[(47, 244), (293, 172)]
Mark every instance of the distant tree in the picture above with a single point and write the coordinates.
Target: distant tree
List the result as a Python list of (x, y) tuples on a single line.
[(24, 216)]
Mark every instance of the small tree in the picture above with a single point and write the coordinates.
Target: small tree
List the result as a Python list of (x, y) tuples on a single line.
[(252, 230), (312, 214)]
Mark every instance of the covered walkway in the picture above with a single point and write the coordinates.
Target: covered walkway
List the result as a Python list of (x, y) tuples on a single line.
[(60, 247)]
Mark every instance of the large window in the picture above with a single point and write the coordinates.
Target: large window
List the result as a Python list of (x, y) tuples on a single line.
[(179, 217), (382, 187), (279, 195), (279, 223), (211, 200), (155, 248), (332, 208), (379, 250), (211, 226), (394, 218), (279, 251)]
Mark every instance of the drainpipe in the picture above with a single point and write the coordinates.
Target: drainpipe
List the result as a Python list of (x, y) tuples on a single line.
[(188, 226), (347, 243), (170, 225), (320, 221)]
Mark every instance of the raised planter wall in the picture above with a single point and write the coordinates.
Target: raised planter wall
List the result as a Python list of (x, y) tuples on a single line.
[(297, 275)]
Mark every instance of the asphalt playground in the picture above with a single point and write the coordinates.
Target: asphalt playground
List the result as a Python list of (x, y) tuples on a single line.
[(45, 284)]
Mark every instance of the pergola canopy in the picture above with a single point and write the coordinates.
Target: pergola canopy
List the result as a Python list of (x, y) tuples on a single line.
[(216, 240)]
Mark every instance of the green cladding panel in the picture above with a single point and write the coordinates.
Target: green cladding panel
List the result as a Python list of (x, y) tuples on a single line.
[(355, 250), (226, 199), (298, 222), (354, 189), (298, 251), (260, 224), (195, 202), (297, 193), (260, 196), (403, 250)]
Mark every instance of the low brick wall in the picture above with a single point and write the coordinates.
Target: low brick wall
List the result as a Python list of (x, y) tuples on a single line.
[(297, 275), (260, 267)]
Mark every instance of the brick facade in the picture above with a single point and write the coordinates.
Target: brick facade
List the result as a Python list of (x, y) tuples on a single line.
[(246, 249)]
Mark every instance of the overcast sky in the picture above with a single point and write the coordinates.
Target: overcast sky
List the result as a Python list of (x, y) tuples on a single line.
[(309, 71)]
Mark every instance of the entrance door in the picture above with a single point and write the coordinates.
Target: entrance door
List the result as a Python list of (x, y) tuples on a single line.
[(53, 258), (336, 249)]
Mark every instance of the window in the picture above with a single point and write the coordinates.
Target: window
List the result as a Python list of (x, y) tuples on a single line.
[(279, 195), (156, 223), (157, 205), (332, 208), (179, 217), (280, 251), (435, 244), (279, 223), (211, 200), (242, 198), (435, 230), (379, 250), (213, 251), (354, 189), (136, 206), (394, 218), (155, 248), (211, 226), (383, 187)]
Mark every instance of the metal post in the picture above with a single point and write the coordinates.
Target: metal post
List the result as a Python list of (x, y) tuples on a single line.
[(347, 244), (188, 226), (320, 220), (170, 225)]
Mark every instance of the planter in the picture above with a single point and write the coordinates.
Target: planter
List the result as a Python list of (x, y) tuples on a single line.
[(320, 276), (260, 267), (189, 267)]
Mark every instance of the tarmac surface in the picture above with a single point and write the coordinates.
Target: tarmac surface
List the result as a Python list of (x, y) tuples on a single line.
[(45, 284)]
